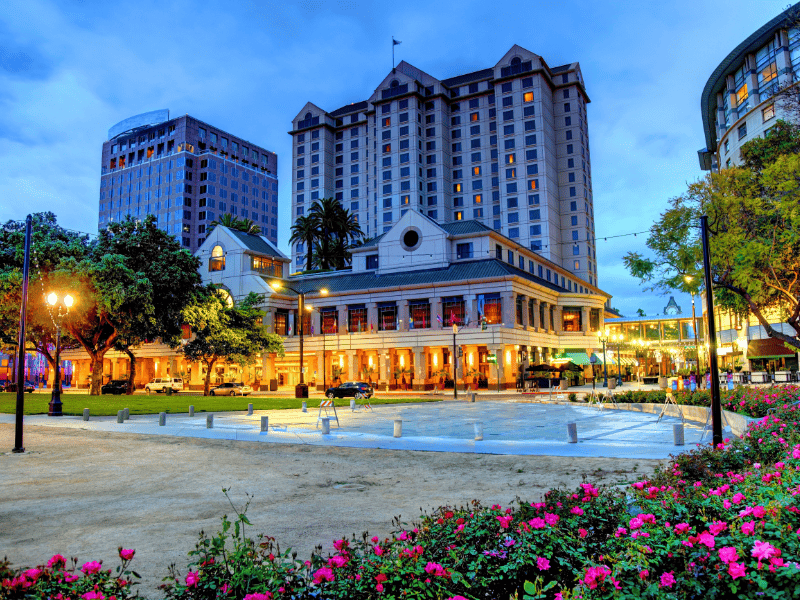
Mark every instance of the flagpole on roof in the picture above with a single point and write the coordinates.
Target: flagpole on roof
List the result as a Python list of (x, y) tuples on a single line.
[(394, 43)]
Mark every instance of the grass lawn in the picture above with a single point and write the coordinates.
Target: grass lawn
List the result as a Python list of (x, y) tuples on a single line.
[(108, 405)]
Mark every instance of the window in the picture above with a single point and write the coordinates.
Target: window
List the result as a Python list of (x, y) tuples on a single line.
[(419, 313), (766, 114), (566, 107), (527, 97), (742, 130), (217, 260), (464, 250), (357, 319), (372, 261), (508, 101), (536, 230), (453, 310), (571, 319), (387, 317)]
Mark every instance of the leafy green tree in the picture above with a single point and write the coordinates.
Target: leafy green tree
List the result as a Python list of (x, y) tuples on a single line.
[(231, 222), (640, 313), (337, 229), (227, 333), (164, 272), (783, 138), (754, 220), (305, 230), (50, 245)]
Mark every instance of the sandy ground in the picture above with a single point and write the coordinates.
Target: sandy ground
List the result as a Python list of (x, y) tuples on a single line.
[(83, 493)]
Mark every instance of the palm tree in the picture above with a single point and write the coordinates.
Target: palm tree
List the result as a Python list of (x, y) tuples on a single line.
[(248, 226), (305, 230), (227, 220), (337, 228)]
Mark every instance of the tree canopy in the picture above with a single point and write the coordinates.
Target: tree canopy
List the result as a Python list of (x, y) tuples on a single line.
[(232, 222), (329, 231), (754, 221), (225, 333)]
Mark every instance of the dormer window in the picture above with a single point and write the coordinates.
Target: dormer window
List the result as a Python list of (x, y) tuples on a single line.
[(217, 260), (372, 261), (267, 266)]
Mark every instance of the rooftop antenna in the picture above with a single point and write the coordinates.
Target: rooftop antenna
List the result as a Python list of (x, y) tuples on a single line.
[(394, 43)]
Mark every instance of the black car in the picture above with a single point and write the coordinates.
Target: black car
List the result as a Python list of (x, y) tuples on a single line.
[(116, 386), (231, 389), (12, 387), (351, 389)]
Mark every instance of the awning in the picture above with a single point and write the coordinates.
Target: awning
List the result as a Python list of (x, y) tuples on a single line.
[(768, 348), (578, 358)]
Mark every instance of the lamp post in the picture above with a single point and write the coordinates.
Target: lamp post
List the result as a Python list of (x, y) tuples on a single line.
[(619, 339), (602, 337), (689, 279), (66, 302), (301, 389), (322, 333), (455, 363)]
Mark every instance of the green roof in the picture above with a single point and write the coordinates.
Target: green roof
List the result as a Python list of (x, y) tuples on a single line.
[(576, 357), (256, 243), (371, 281)]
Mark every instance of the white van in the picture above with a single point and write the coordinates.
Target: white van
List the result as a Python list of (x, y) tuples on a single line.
[(160, 384)]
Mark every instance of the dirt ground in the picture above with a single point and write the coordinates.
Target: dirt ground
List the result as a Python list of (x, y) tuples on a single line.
[(83, 494)]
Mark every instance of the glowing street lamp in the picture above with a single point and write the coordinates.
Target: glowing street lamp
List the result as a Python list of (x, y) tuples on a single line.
[(64, 304), (603, 337)]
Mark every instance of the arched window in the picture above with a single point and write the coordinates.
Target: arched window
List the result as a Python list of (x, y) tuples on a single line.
[(225, 296), (217, 260), (308, 115), (515, 61), (394, 83)]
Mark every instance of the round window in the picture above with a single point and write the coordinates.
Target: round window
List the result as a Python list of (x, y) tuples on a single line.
[(411, 238)]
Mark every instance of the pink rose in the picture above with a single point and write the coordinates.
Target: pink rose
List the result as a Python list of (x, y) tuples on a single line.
[(764, 550), (736, 570), (644, 574), (126, 554), (706, 539), (264, 596), (57, 561), (576, 511), (323, 574), (749, 527), (192, 579), (91, 567), (667, 580), (542, 563), (379, 587), (728, 554), (583, 533), (93, 595)]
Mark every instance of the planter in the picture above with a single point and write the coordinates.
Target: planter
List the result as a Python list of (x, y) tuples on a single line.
[(759, 377), (783, 376), (612, 383), (663, 382)]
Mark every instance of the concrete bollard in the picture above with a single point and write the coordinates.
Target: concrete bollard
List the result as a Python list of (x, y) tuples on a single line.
[(398, 427), (191, 410), (250, 409), (472, 397), (677, 433), (326, 425), (126, 413), (162, 419), (210, 421), (264, 424), (120, 416), (572, 433), (352, 404), (478, 430), (305, 408), (85, 414)]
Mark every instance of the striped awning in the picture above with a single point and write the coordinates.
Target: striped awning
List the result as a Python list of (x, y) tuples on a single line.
[(578, 358)]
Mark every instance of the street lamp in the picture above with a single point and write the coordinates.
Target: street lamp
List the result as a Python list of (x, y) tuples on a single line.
[(619, 339), (301, 389), (602, 337), (66, 302), (455, 363), (322, 333), (689, 279)]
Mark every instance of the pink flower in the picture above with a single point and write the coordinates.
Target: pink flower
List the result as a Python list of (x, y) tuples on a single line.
[(644, 574), (379, 588), (256, 596), (551, 519), (375, 539), (537, 523), (583, 533), (576, 511), (737, 498), (126, 554), (718, 527), (337, 561), (403, 536), (91, 567), (56, 561), (682, 528), (505, 521), (378, 550), (192, 578), (456, 598), (728, 554), (706, 539), (667, 580), (749, 527), (736, 570), (436, 569), (323, 574), (764, 550), (542, 563), (32, 574), (93, 595)]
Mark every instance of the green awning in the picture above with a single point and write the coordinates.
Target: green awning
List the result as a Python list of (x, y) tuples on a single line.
[(579, 358), (768, 348)]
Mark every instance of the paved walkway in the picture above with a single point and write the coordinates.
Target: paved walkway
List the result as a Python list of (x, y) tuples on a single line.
[(516, 426)]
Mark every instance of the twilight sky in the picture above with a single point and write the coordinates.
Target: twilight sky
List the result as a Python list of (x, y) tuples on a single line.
[(69, 70)]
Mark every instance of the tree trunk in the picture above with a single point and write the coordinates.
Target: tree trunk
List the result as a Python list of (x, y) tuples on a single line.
[(97, 374), (131, 372), (310, 253), (207, 382)]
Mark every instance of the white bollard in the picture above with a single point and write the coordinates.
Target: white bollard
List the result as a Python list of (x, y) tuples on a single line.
[(677, 433), (352, 404), (326, 425), (265, 424), (398, 427), (191, 410), (162, 419), (210, 421), (120, 416), (250, 409), (85, 414), (472, 397), (126, 413), (478, 430), (572, 433), (305, 408)]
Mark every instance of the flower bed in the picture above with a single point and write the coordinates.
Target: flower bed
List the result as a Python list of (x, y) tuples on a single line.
[(718, 522)]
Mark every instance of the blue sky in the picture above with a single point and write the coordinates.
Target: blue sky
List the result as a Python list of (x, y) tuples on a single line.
[(69, 70)]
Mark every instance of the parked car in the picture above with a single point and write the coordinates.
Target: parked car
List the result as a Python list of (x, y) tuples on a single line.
[(117, 386), (351, 389), (160, 384), (231, 389), (12, 387)]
